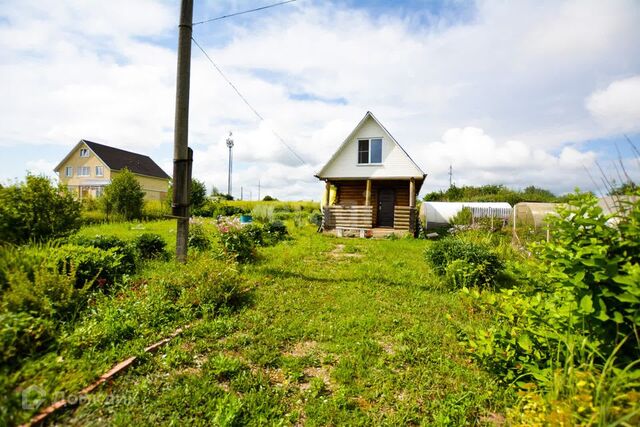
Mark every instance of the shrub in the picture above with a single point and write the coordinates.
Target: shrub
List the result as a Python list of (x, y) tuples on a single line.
[(214, 209), (209, 284), (155, 210), (22, 334), (275, 232), (150, 246), (85, 265), (575, 323), (126, 251), (237, 243), (255, 232), (463, 263), (36, 210), (315, 218), (595, 266), (124, 196), (91, 265), (198, 237)]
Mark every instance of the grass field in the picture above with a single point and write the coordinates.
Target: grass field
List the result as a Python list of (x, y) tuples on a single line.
[(333, 332)]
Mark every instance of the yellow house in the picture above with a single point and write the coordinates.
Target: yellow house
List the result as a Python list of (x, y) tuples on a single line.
[(90, 166)]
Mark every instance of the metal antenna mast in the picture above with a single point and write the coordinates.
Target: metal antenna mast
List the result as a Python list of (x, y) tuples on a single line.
[(230, 145)]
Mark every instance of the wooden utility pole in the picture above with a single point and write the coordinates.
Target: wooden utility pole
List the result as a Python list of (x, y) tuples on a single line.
[(182, 156)]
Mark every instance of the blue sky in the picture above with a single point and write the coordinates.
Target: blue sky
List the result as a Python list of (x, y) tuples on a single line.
[(519, 93)]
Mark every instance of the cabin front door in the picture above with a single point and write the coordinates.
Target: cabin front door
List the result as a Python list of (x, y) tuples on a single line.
[(386, 202)]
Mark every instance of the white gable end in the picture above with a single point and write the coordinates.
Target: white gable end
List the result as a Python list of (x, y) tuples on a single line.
[(396, 163)]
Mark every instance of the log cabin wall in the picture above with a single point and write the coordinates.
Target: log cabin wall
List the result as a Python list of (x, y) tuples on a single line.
[(353, 193), (350, 193)]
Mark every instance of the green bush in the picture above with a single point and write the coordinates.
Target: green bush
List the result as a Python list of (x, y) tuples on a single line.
[(126, 251), (22, 334), (214, 209), (315, 218), (86, 266), (595, 266), (36, 210), (237, 243), (124, 196), (209, 284), (198, 237), (90, 265), (463, 263), (150, 246), (255, 232), (275, 232), (574, 320)]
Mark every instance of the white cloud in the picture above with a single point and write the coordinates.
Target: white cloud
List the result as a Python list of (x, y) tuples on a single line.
[(478, 158), (41, 167), (517, 71), (617, 106)]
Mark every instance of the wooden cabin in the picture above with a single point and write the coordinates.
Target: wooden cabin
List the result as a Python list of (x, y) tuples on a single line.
[(371, 183)]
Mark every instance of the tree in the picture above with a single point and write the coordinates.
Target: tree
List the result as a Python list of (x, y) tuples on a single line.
[(215, 191), (268, 198), (198, 194), (124, 196), (37, 210)]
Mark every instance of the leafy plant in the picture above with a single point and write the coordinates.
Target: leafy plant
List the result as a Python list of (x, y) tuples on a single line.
[(198, 236), (124, 196), (36, 210), (126, 250), (150, 246), (237, 243), (463, 263), (198, 195), (22, 334)]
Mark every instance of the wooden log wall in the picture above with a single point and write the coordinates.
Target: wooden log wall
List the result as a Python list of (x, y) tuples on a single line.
[(404, 218), (348, 216), (350, 193)]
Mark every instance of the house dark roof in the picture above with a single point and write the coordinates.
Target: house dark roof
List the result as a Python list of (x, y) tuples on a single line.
[(117, 159)]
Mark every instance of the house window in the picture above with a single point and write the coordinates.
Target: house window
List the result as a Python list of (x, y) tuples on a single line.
[(370, 151), (99, 191), (84, 171), (68, 171), (84, 152), (99, 171)]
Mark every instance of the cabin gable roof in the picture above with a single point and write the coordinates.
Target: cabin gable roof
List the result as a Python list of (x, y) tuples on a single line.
[(396, 162)]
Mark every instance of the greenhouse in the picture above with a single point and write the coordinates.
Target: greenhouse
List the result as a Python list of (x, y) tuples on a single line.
[(438, 214)]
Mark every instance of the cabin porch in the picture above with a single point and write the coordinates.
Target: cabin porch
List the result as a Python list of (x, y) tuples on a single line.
[(371, 207)]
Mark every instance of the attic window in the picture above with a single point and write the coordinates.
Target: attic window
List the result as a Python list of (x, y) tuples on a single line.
[(84, 152), (370, 151)]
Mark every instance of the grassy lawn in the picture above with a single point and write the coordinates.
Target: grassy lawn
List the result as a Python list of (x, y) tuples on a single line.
[(333, 332)]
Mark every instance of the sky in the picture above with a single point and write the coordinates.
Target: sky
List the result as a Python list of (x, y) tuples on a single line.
[(518, 93)]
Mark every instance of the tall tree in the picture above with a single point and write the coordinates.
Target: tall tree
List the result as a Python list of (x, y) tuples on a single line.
[(198, 193), (124, 196)]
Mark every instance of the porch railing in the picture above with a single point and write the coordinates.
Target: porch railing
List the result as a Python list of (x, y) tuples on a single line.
[(348, 216), (404, 218)]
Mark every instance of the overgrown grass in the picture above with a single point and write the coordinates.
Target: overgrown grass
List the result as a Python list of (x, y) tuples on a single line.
[(338, 332)]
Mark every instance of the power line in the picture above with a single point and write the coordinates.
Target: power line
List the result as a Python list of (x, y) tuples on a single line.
[(258, 115), (242, 13)]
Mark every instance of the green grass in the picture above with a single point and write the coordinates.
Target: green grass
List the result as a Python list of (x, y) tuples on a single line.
[(337, 331)]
